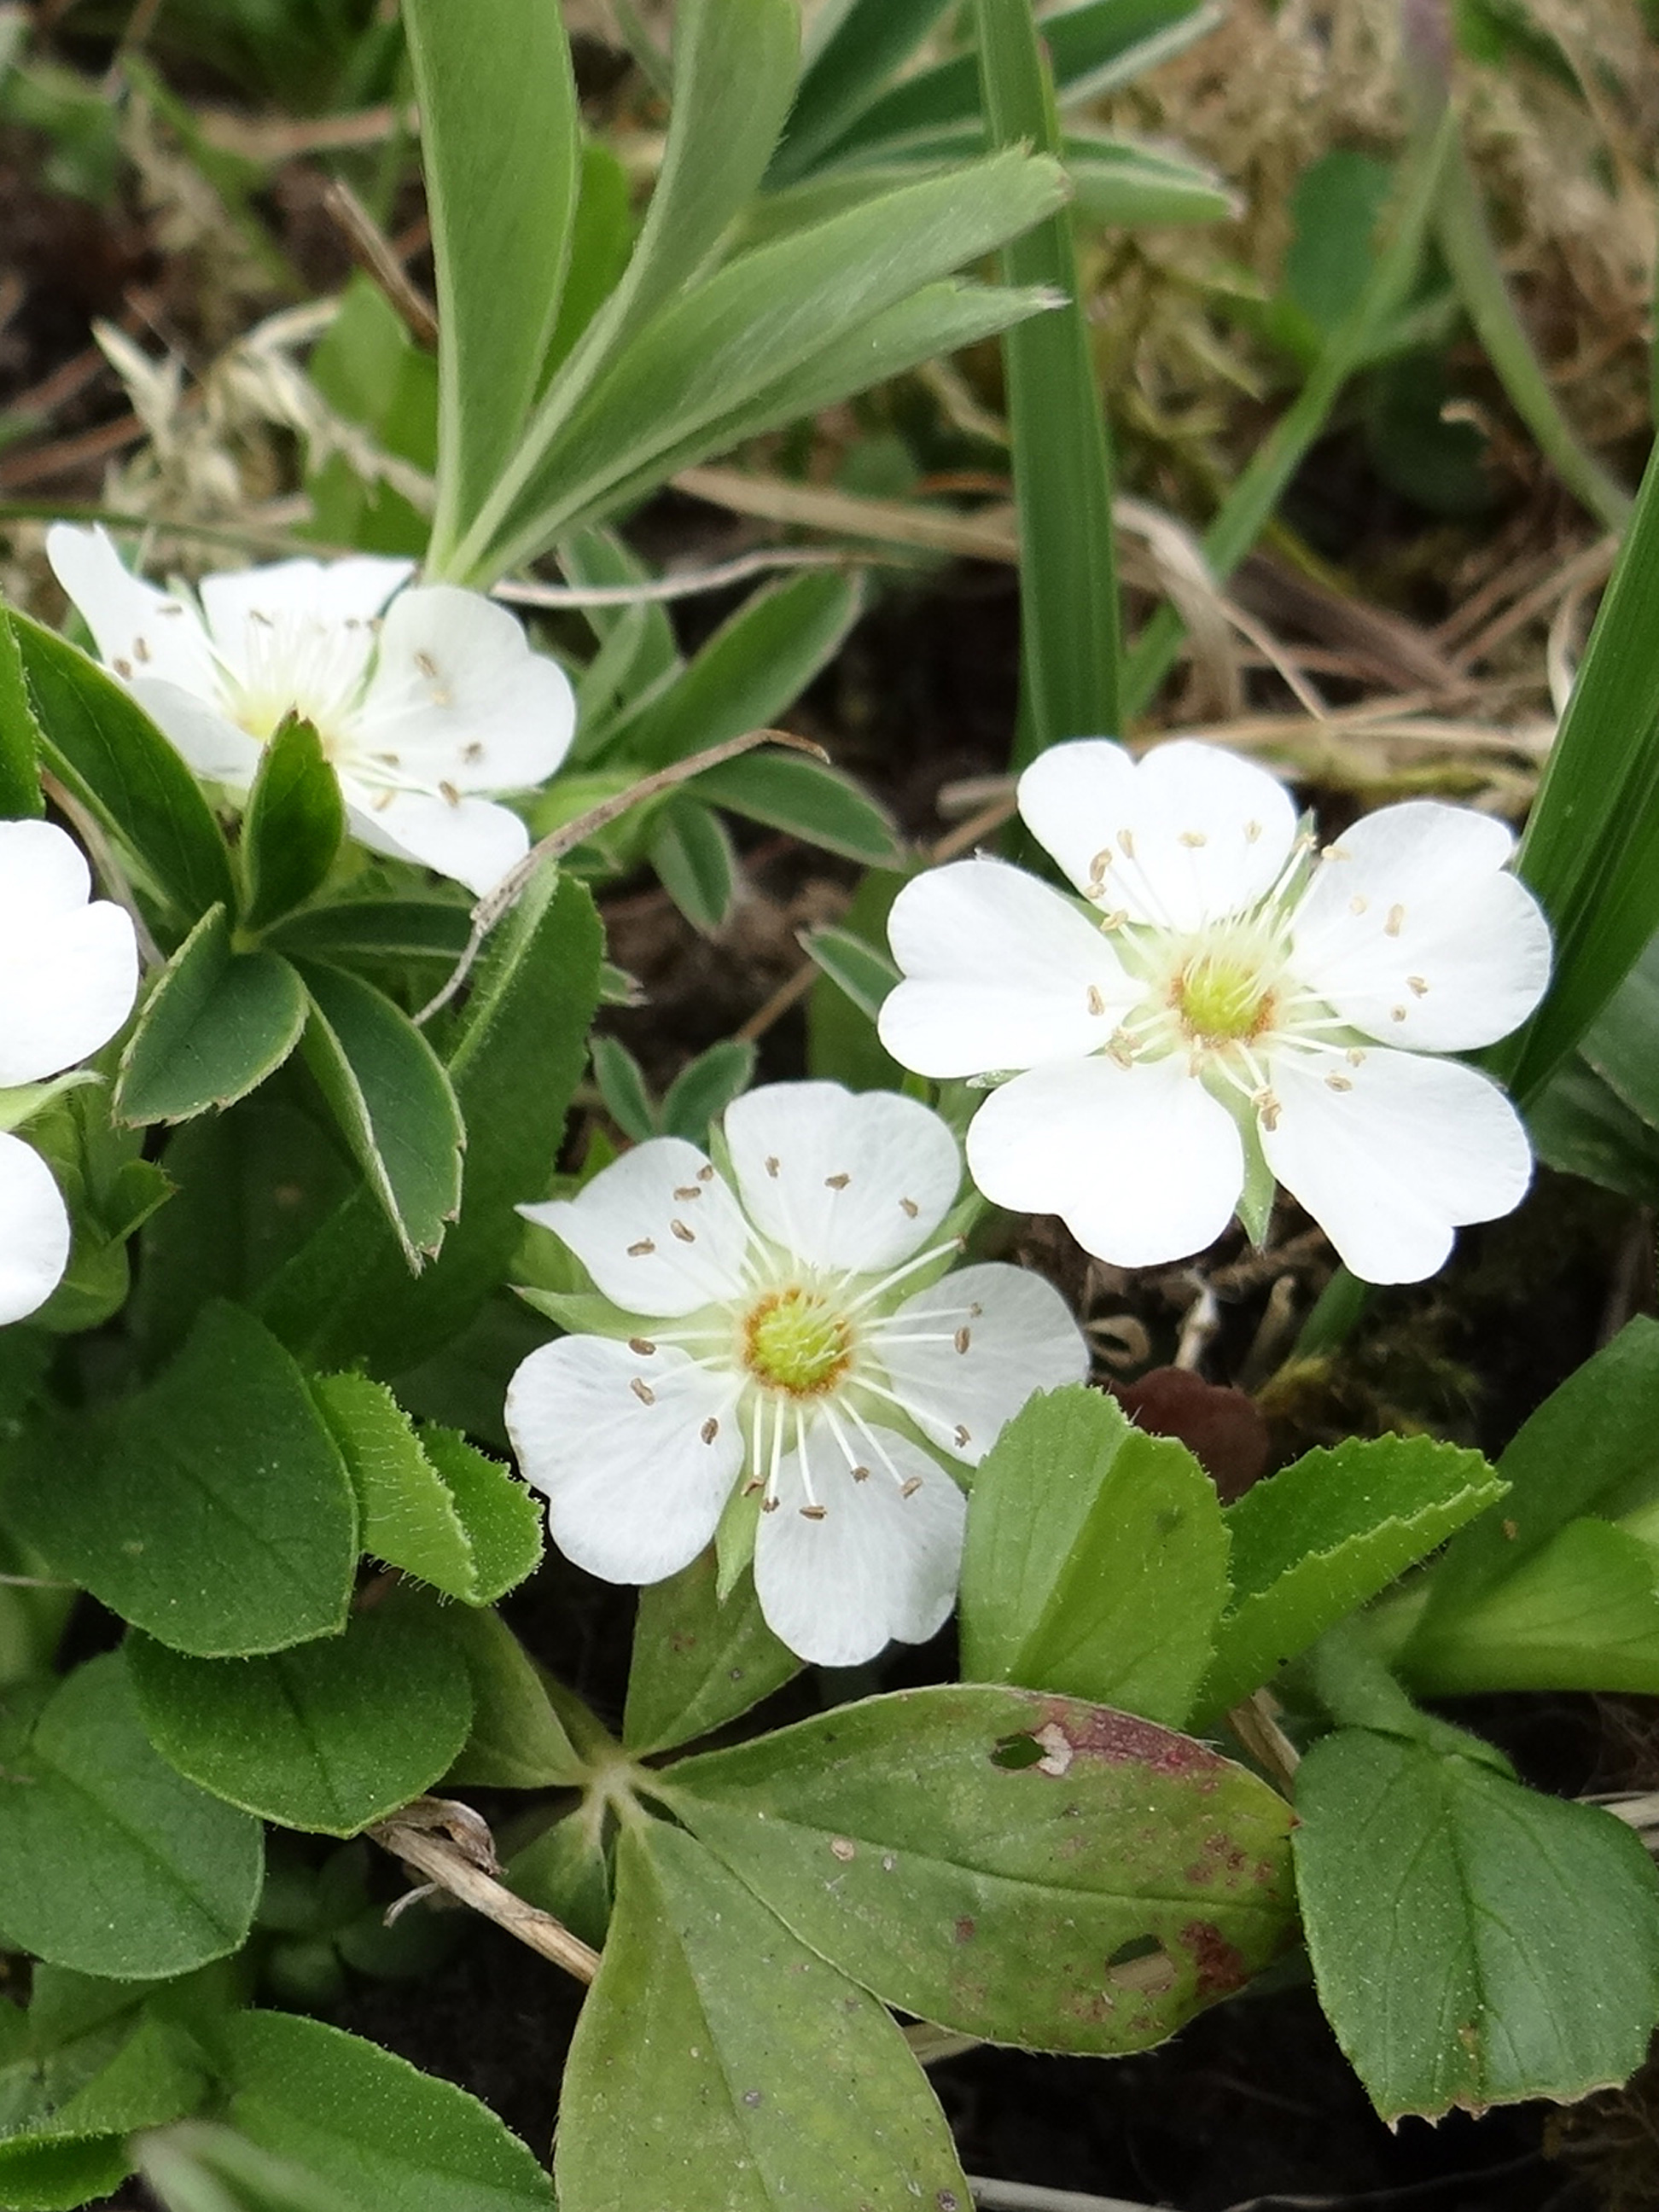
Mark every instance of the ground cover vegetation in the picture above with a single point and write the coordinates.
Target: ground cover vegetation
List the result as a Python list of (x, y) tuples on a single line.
[(829, 1104)]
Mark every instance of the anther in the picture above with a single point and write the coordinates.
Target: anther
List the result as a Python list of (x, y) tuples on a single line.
[(909, 1489), (975, 1311), (706, 1173), (1355, 1057), (448, 792), (123, 668), (1096, 1003), (140, 649), (259, 615), (1396, 1013), (1269, 1108), (861, 1474), (1416, 987), (770, 1504), (771, 1166), (1358, 905), (389, 760), (428, 666), (638, 1251), (1116, 919), (961, 1436), (686, 1235), (1098, 866), (1335, 853), (688, 1190), (908, 1206), (815, 1513), (1126, 843), (836, 1181), (710, 1430), (643, 1346), (643, 1391), (1252, 833), (1193, 839), (962, 1340), (383, 799), (473, 752), (1338, 1083), (1395, 922), (755, 1482)]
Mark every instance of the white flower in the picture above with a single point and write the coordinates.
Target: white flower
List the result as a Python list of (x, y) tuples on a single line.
[(419, 708), (69, 973), (1231, 1007), (793, 1360)]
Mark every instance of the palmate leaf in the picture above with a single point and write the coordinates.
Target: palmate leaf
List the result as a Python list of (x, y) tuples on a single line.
[(775, 2078), (1474, 1943), (1011, 1865)]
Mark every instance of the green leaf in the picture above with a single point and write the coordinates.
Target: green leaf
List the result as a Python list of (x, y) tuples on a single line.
[(392, 1098), (216, 1025), (706, 1086), (1336, 209), (775, 2080), (1091, 48), (1474, 1943), (1580, 1125), (59, 2176), (517, 1053), (503, 1520), (20, 769), (707, 362), (787, 791), (566, 1871), (601, 241), (517, 1740), (369, 2124), (864, 974), (846, 74), (752, 670), (96, 737), (698, 1664), (734, 76), (500, 143), (622, 1087), (211, 1510), (295, 822), (200, 2165), (1022, 1867), (390, 931), (1317, 1541), (328, 1737), (1070, 630), (1591, 850), (406, 1516), (1588, 1448), (1096, 1559), (1124, 185), (1579, 1612), (110, 1863), (692, 853)]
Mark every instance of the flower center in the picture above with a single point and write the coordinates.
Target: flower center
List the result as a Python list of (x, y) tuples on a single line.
[(1221, 997), (795, 1342)]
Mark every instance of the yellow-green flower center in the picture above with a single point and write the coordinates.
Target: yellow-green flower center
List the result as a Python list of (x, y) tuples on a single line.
[(795, 1342)]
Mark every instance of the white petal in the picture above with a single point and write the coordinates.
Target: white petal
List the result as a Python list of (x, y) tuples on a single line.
[(842, 1179), (42, 872), (1142, 1164), (658, 1229), (459, 696), (34, 1231), (1411, 1148), (1413, 931), (138, 630), (470, 840), (66, 987), (296, 594), (635, 1484), (965, 1355), (214, 746), (878, 1565), (1190, 833), (1001, 971)]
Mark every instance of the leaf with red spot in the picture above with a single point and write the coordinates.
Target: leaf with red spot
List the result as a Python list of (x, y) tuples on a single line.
[(1013, 1865)]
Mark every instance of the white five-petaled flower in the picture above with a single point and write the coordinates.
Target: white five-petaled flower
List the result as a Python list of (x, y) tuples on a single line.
[(770, 1333), (69, 973), (1229, 1002), (422, 700)]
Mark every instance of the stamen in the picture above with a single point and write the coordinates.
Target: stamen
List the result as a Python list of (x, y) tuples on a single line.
[(686, 1235), (836, 1181), (1358, 905), (963, 1338), (638, 1251), (705, 1172), (1395, 921), (710, 1430), (911, 1207), (1193, 839), (1416, 987), (643, 1391), (1096, 1003), (897, 1275), (772, 1165), (1338, 1083), (688, 1190), (643, 1345), (909, 1489)]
